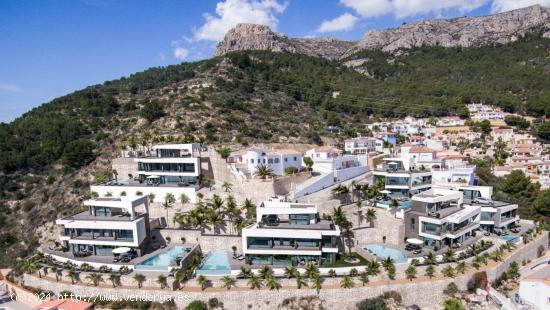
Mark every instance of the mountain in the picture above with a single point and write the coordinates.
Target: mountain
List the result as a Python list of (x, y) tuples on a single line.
[(260, 37), (456, 32), (460, 32)]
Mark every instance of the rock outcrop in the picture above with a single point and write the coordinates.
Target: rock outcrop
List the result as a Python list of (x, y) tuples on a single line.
[(459, 32), (260, 37), (456, 32)]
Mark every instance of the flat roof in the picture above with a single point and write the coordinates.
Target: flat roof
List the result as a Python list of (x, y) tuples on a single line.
[(494, 203)]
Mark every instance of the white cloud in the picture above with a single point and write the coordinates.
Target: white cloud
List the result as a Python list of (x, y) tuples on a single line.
[(181, 53), (231, 12), (162, 57), (343, 22), (9, 87), (508, 5), (407, 8)]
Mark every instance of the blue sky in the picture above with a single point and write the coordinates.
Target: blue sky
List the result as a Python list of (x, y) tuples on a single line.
[(51, 48)]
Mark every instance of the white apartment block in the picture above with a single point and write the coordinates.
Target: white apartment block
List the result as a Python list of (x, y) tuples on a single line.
[(107, 224), (287, 233), (248, 161)]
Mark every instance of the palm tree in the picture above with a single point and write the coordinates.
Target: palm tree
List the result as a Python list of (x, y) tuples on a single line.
[(300, 281), (264, 172), (179, 276), (84, 267), (228, 282), (332, 273), (139, 278), (338, 215), (115, 279), (290, 271), (56, 271), (387, 262), (151, 198), (348, 234), (227, 186), (461, 267), (30, 266), (356, 189), (373, 268), (340, 191), (162, 281), (95, 278), (359, 205), (184, 198), (449, 255), (254, 281), (364, 191), (476, 263), (371, 216), (203, 282), (169, 200), (249, 208), (245, 272), (265, 271), (317, 283), (393, 206), (311, 270), (364, 277), (410, 272), (430, 258), (272, 283), (347, 282), (72, 275), (430, 271), (448, 271)]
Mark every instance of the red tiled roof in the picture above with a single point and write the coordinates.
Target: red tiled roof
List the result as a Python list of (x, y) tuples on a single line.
[(61, 304), (421, 149)]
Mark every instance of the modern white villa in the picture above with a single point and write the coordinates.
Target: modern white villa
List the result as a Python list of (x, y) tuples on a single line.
[(108, 223), (439, 218), (362, 145), (247, 161), (287, 233), (171, 168), (401, 178)]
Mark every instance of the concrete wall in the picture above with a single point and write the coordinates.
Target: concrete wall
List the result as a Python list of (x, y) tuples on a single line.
[(158, 191), (124, 166), (323, 182), (207, 242)]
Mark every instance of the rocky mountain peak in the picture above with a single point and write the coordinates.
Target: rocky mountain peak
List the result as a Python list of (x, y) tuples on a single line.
[(459, 32), (261, 37)]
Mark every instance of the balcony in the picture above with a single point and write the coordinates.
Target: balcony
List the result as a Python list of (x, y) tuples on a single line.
[(86, 216)]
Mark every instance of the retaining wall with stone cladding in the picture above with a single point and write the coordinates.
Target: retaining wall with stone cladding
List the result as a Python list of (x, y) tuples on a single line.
[(428, 294)]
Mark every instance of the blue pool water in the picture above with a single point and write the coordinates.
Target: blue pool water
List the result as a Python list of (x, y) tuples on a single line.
[(512, 239), (163, 260), (383, 252), (404, 204), (216, 263)]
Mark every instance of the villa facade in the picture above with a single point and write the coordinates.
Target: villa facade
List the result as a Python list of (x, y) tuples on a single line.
[(287, 233), (107, 224)]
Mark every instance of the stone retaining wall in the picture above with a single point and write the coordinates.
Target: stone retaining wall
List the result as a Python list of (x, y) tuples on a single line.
[(426, 294)]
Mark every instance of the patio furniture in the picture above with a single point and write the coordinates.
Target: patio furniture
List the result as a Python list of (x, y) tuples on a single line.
[(417, 251)]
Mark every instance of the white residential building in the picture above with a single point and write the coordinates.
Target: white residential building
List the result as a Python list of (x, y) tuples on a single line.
[(174, 169), (534, 289), (361, 145), (107, 224), (328, 159), (287, 233), (248, 161), (401, 177), (439, 218)]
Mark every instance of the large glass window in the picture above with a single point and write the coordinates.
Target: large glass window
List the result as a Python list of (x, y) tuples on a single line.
[(431, 228), (124, 235), (397, 181)]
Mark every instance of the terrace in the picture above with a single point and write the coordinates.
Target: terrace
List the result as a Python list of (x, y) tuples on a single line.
[(86, 216)]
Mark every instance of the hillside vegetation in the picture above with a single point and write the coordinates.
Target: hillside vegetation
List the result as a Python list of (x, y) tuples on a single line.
[(49, 156)]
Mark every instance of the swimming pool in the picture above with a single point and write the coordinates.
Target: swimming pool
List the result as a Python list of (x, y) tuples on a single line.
[(216, 263), (404, 204), (383, 252), (163, 260), (513, 239)]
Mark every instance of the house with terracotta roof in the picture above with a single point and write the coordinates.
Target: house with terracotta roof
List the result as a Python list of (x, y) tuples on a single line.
[(65, 304)]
